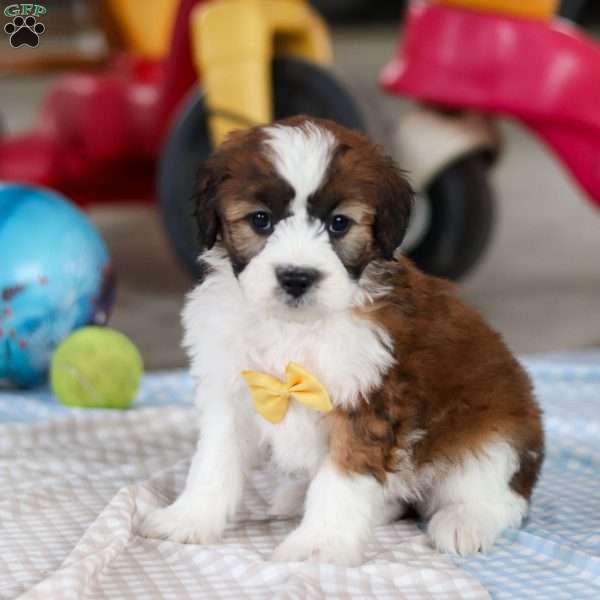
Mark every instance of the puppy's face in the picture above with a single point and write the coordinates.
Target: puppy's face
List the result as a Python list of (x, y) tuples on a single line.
[(302, 207)]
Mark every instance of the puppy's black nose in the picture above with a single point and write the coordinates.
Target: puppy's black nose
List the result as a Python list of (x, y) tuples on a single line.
[(296, 280)]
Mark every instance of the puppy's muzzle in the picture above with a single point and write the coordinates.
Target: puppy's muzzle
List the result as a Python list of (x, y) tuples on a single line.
[(296, 281)]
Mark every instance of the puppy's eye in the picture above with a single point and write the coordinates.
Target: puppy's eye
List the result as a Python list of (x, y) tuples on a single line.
[(338, 224), (261, 222)]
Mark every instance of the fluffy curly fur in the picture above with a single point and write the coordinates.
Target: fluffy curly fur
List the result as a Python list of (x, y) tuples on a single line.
[(430, 408)]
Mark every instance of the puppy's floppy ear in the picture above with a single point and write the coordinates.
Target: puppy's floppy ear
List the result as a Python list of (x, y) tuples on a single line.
[(210, 176), (395, 200)]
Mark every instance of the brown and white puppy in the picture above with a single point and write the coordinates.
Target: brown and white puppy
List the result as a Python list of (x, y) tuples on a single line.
[(300, 221)]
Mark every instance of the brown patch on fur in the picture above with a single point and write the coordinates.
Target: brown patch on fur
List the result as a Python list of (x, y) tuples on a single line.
[(233, 212), (454, 379), (360, 212), (362, 177), (235, 182), (366, 440), (240, 238), (357, 247), (237, 232)]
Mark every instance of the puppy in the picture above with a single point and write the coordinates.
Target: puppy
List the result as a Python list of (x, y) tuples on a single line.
[(300, 221)]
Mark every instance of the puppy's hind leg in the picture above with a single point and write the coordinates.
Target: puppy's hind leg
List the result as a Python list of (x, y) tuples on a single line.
[(472, 503)]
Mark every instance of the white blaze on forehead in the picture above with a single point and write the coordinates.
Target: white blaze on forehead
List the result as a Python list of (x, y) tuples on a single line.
[(301, 156)]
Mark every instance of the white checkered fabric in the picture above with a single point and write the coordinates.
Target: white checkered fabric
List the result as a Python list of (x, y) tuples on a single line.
[(74, 489)]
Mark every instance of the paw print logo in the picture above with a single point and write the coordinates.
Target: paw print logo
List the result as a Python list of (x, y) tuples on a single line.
[(24, 32)]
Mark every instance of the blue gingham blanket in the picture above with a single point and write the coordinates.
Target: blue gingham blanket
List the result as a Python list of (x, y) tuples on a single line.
[(556, 555)]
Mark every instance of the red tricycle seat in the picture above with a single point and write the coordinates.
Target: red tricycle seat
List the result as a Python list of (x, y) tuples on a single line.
[(545, 73)]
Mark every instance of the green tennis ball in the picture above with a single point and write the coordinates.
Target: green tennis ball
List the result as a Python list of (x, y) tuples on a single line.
[(96, 367)]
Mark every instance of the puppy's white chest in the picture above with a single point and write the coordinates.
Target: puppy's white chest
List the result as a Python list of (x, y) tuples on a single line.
[(345, 354), (348, 355), (298, 444)]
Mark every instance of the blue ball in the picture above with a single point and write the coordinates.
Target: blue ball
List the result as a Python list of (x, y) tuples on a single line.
[(55, 276)]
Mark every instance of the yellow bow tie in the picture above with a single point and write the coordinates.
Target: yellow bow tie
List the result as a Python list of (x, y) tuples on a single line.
[(272, 397)]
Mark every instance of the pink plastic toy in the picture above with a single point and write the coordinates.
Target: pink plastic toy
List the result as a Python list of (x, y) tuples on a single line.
[(466, 66)]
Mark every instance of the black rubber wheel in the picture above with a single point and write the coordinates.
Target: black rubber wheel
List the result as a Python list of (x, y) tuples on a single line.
[(461, 218), (341, 9), (299, 88), (572, 9), (352, 10)]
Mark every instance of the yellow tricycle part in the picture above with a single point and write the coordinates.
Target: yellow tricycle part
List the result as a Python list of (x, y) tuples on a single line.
[(144, 25), (528, 9), (233, 44)]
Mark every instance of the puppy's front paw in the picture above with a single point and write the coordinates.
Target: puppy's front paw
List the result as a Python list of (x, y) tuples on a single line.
[(184, 523), (463, 529), (306, 544)]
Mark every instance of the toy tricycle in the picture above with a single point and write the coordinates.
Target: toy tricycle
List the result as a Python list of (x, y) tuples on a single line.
[(464, 62), (101, 136)]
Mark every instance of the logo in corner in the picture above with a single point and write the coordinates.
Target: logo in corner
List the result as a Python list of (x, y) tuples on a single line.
[(24, 29)]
